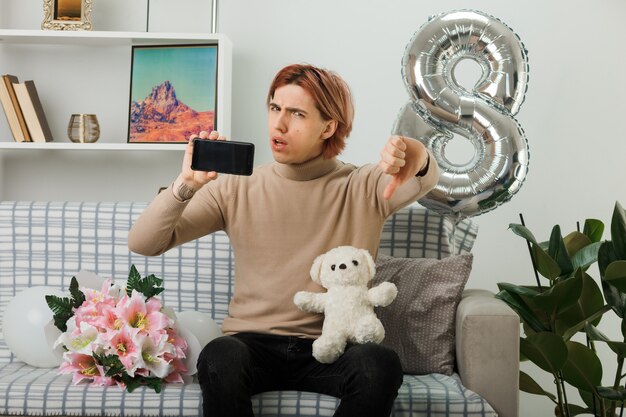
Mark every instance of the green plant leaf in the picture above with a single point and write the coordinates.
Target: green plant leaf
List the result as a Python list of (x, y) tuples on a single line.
[(576, 410), (111, 364), (148, 286), (546, 266), (612, 394), (580, 326), (589, 302), (560, 296), (546, 350), (529, 385), (586, 256), (618, 231), (61, 310), (78, 298), (583, 368), (593, 229), (558, 252), (606, 255), (614, 297), (595, 334), (509, 295), (132, 383), (518, 289), (575, 241), (589, 399), (615, 274), (523, 231)]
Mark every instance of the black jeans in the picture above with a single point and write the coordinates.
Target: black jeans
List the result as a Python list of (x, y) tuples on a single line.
[(233, 368)]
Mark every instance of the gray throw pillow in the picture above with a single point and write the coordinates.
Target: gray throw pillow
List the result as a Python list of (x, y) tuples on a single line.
[(419, 323)]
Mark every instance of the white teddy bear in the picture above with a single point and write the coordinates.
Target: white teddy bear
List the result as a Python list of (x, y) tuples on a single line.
[(348, 305)]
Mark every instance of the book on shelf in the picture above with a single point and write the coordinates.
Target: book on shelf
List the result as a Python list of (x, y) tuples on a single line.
[(12, 109), (33, 111)]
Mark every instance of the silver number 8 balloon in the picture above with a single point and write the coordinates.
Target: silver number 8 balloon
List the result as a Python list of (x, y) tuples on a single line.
[(440, 108)]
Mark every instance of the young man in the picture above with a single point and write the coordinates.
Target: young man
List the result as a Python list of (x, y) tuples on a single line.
[(279, 220)]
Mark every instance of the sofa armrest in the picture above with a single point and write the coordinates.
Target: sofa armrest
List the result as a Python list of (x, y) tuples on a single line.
[(487, 350)]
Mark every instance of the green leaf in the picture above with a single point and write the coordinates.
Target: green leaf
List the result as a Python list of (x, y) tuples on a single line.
[(589, 398), (63, 307), (135, 382), (546, 266), (606, 255), (560, 296), (582, 369), (131, 383), (62, 310), (593, 229), (148, 286), (586, 256), (509, 295), (612, 394), (111, 364), (589, 302), (546, 350), (569, 333), (575, 241), (618, 231), (524, 232), (595, 334), (78, 298), (615, 274), (614, 297), (576, 410), (558, 252), (518, 289), (529, 385)]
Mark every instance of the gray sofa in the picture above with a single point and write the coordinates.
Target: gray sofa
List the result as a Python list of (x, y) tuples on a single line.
[(46, 243)]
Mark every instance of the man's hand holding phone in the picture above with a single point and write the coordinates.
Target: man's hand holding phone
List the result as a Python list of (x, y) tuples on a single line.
[(189, 181)]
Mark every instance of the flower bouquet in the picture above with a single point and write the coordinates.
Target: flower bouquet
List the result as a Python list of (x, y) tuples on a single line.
[(119, 335)]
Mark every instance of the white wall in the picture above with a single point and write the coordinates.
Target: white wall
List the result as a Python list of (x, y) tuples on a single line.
[(572, 115)]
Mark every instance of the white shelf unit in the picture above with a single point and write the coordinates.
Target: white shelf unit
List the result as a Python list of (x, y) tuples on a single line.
[(125, 40), (89, 72)]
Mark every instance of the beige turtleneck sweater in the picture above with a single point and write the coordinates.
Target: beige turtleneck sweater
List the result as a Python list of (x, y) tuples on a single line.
[(279, 220)]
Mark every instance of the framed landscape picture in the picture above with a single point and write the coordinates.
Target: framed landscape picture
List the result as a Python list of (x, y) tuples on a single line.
[(173, 92)]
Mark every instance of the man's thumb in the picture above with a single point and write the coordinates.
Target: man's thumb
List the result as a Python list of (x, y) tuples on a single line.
[(390, 188)]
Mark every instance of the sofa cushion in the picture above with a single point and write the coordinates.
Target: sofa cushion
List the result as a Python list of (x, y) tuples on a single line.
[(414, 232), (419, 323), (42, 392)]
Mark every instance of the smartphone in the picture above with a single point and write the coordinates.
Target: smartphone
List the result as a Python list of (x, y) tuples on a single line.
[(224, 156)]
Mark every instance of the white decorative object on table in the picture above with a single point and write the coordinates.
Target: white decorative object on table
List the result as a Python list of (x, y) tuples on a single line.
[(198, 329), (200, 325), (25, 319)]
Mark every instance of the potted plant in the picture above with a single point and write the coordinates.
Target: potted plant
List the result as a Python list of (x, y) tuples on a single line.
[(566, 303)]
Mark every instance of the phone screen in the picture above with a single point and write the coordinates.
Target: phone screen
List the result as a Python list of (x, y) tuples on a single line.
[(228, 157)]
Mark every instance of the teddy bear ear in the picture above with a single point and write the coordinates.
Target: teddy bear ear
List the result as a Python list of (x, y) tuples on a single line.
[(316, 270), (371, 265)]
